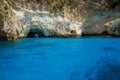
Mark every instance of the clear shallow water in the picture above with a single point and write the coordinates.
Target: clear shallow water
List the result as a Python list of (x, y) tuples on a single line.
[(60, 59)]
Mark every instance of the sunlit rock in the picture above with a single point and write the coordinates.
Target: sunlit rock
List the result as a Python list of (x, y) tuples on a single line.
[(56, 18), (97, 24), (113, 27), (9, 29)]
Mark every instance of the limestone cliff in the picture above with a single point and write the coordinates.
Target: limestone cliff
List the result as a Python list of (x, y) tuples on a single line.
[(8, 23), (58, 18), (96, 24)]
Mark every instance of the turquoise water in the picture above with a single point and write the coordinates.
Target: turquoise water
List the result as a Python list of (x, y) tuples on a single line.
[(60, 59)]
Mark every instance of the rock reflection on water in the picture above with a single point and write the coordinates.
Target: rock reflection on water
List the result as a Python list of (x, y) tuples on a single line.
[(106, 69), (74, 75), (36, 45)]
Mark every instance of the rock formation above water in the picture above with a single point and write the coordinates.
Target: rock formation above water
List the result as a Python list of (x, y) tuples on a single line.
[(58, 18)]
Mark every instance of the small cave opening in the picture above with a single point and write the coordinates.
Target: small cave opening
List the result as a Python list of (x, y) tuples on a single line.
[(73, 32), (5, 8), (104, 33), (35, 34)]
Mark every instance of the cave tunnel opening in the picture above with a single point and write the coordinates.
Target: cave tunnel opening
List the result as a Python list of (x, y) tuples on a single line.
[(34, 33)]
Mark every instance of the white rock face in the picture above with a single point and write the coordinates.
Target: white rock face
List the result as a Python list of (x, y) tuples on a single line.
[(49, 26), (56, 26), (28, 19), (20, 14), (97, 24), (113, 27)]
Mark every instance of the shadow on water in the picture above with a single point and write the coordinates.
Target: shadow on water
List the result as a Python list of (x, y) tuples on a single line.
[(74, 75), (8, 57), (6, 44), (37, 45), (25, 43), (105, 69), (12, 44), (110, 49), (11, 50)]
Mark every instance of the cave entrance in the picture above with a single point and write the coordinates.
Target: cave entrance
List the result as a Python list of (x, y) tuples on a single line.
[(35, 33)]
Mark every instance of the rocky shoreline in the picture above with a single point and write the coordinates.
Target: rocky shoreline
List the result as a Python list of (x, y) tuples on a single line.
[(22, 19)]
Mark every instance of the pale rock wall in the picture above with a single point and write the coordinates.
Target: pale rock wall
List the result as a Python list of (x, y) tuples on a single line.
[(9, 28), (113, 27), (59, 18), (96, 24)]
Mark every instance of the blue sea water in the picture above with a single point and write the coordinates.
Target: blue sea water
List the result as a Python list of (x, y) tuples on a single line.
[(87, 58)]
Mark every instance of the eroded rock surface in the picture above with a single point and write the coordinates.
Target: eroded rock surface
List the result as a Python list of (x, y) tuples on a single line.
[(58, 18), (113, 27), (105, 24), (9, 28)]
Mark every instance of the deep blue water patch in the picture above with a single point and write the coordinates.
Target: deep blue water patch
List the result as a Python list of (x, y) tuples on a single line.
[(60, 59)]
